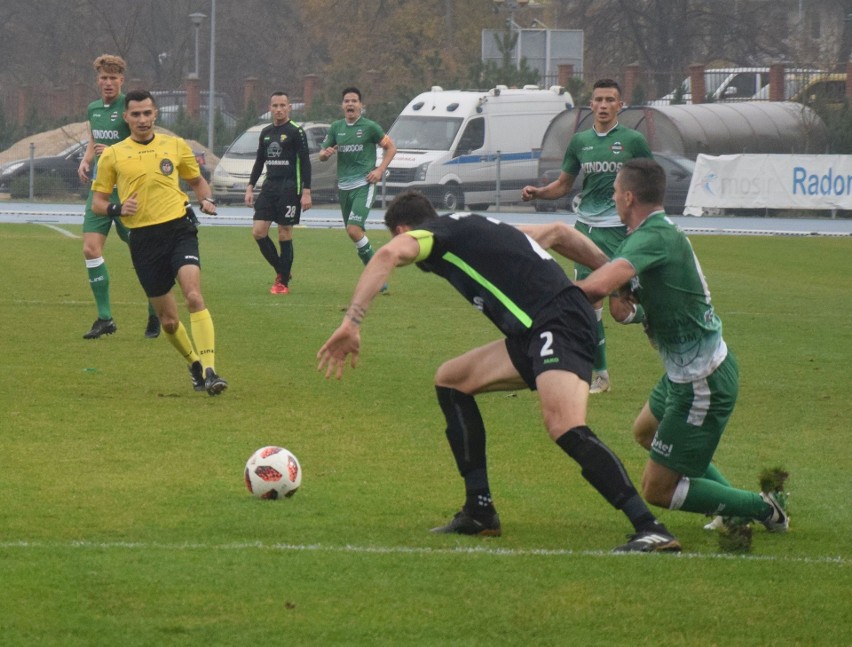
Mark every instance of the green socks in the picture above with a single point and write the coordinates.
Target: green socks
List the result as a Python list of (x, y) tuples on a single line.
[(364, 249), (99, 282)]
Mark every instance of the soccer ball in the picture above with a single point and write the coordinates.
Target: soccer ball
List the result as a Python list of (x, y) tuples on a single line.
[(272, 473)]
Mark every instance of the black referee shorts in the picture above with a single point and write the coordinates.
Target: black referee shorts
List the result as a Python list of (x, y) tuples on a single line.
[(159, 251)]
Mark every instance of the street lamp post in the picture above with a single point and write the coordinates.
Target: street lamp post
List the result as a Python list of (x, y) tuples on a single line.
[(212, 95), (511, 6), (197, 19)]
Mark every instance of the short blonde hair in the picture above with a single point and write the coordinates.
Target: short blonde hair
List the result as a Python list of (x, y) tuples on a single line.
[(110, 63)]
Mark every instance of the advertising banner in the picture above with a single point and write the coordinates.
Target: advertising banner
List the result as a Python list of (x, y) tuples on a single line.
[(770, 181)]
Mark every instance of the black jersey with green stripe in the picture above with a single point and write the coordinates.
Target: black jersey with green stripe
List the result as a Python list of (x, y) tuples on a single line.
[(500, 270), (284, 150)]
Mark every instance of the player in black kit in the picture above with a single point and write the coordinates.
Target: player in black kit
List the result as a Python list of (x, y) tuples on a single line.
[(283, 148), (549, 346)]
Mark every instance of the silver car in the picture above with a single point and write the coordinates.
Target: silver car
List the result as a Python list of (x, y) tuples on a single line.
[(234, 169)]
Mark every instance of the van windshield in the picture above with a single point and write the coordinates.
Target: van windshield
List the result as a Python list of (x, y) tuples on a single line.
[(245, 145), (425, 133), (712, 81)]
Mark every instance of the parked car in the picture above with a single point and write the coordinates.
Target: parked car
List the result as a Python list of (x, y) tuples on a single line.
[(721, 84), (678, 178), (729, 84), (57, 174), (234, 169), (828, 90), (52, 173)]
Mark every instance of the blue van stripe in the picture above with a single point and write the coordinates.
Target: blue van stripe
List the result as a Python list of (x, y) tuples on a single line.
[(504, 157)]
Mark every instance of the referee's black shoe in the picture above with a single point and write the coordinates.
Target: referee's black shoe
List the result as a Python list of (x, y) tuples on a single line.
[(196, 373), (465, 523), (213, 383), (100, 328)]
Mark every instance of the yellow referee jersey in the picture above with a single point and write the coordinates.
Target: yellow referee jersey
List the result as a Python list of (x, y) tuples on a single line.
[(151, 171)]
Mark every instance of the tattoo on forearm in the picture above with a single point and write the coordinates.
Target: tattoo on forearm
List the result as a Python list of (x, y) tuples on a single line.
[(356, 313)]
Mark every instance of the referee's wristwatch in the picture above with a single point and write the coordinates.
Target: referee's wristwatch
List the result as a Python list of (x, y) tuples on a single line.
[(203, 200)]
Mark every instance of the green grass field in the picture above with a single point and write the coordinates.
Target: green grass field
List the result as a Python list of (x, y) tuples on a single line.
[(124, 518)]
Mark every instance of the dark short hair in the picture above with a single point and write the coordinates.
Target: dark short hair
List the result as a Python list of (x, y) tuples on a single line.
[(138, 95), (353, 90), (410, 208), (607, 83), (279, 93), (645, 178)]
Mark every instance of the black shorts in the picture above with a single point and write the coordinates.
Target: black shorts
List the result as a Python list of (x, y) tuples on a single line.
[(563, 337), (159, 251), (279, 205)]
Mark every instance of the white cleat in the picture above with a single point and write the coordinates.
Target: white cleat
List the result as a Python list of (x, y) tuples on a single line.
[(779, 520), (717, 523), (600, 383)]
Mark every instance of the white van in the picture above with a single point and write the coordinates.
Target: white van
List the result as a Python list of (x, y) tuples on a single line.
[(726, 84), (458, 146), (722, 84), (231, 175)]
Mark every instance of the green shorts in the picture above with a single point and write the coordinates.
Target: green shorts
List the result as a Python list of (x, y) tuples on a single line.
[(692, 418), (93, 223), (607, 238), (355, 204)]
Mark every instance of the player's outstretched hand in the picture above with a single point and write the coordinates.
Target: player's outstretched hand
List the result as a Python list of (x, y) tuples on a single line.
[(345, 341)]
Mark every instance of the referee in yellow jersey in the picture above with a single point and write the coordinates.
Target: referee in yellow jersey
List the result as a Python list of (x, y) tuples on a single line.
[(146, 169)]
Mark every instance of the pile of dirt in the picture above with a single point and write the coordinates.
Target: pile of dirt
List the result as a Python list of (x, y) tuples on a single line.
[(53, 142)]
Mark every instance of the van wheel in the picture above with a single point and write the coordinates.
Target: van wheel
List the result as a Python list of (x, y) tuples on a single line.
[(452, 198)]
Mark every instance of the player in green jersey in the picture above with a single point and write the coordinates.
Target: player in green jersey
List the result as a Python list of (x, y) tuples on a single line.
[(598, 152), (355, 138), (686, 414), (106, 126)]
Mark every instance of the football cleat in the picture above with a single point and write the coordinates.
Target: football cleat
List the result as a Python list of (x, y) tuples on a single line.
[(600, 383), (650, 541), (196, 373), (278, 287), (152, 330), (778, 520), (463, 523), (717, 523), (213, 383), (100, 328)]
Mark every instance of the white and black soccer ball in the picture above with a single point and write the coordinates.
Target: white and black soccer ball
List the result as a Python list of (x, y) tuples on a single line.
[(272, 473)]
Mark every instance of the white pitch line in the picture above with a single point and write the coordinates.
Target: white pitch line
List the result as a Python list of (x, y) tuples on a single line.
[(62, 231), (399, 550)]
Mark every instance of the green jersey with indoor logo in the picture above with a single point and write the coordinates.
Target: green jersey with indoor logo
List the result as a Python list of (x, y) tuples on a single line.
[(599, 157), (670, 285), (356, 150), (107, 123)]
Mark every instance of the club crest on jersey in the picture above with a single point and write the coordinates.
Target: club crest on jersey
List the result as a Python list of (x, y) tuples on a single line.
[(617, 147), (283, 137), (166, 167), (359, 133), (114, 116)]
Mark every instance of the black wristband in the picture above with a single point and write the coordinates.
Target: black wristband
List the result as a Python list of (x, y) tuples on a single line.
[(114, 210)]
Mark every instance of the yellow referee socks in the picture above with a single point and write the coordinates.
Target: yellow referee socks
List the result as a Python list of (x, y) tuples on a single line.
[(181, 341), (204, 337)]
